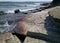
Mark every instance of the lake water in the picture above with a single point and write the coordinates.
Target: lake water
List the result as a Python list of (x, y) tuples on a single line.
[(10, 6)]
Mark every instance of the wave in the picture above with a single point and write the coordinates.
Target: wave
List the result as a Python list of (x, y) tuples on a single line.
[(9, 11), (21, 10), (23, 7)]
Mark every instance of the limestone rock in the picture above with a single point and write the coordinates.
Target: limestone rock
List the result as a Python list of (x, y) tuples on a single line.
[(14, 39), (38, 23), (33, 40), (55, 13), (9, 38), (34, 23)]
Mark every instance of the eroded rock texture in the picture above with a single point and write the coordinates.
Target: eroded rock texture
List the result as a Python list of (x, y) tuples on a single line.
[(39, 22)]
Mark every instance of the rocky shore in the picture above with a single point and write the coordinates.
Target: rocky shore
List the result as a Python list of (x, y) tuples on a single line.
[(38, 22)]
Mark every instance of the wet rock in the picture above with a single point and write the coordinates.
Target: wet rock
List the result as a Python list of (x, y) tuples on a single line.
[(17, 11), (8, 38), (2, 13), (33, 22)]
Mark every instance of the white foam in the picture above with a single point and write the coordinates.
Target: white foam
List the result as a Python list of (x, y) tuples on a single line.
[(27, 9), (37, 5), (9, 11), (24, 10)]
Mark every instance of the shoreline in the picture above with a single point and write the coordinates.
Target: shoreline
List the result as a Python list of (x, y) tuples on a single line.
[(13, 18)]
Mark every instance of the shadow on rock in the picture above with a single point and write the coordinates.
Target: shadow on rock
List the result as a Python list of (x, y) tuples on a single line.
[(52, 30)]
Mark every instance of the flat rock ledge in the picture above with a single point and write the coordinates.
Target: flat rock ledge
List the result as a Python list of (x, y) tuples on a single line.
[(39, 22)]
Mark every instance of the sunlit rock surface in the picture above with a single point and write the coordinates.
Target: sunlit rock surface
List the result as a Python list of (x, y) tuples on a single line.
[(55, 13), (8, 38), (33, 40), (39, 22)]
